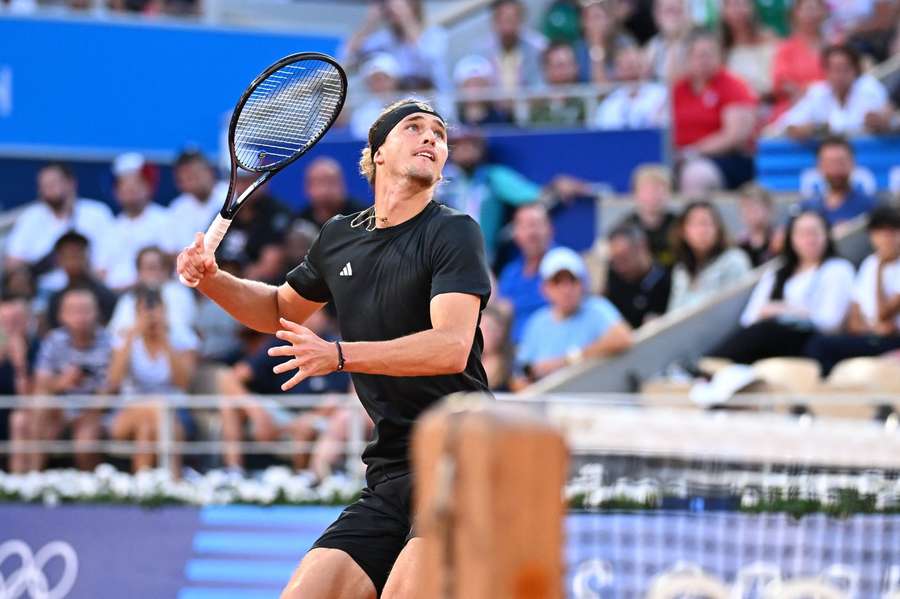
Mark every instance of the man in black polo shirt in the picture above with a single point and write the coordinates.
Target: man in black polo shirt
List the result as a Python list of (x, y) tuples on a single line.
[(636, 284), (408, 279)]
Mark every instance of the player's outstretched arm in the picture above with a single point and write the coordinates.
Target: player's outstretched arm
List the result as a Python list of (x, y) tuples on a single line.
[(443, 349), (254, 304)]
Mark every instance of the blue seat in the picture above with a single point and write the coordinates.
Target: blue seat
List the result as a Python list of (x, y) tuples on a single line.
[(779, 162)]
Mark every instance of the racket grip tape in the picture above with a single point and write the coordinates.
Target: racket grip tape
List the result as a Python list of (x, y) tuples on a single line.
[(211, 240)]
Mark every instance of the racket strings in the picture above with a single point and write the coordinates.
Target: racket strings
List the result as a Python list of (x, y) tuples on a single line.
[(287, 113), (272, 124), (273, 117)]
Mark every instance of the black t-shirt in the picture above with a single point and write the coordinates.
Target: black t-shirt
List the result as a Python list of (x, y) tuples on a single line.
[(382, 283), (659, 238), (635, 300), (757, 254), (262, 222)]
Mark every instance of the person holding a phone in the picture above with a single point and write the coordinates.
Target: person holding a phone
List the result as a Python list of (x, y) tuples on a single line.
[(149, 362)]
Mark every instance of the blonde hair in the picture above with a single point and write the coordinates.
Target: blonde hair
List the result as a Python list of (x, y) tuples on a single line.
[(654, 173), (366, 159)]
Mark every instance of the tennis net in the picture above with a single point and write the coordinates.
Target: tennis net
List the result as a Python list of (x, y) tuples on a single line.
[(668, 502)]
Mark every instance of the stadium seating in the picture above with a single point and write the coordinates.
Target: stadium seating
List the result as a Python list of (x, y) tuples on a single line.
[(781, 162)]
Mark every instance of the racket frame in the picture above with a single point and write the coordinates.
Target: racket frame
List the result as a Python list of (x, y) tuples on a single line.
[(213, 236), (229, 209)]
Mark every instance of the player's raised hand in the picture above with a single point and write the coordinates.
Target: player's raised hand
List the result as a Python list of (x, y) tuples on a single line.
[(195, 262), (309, 354)]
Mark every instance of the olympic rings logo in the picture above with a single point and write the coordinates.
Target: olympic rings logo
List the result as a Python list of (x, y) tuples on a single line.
[(29, 581)]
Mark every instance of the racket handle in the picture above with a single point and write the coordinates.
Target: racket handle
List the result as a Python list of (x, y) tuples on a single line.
[(216, 232), (211, 240)]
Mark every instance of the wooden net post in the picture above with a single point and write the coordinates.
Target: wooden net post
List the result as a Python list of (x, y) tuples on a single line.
[(489, 502)]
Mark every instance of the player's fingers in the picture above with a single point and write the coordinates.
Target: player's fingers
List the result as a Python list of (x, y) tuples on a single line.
[(294, 380), (198, 241), (285, 366), (282, 350), (293, 326), (192, 272), (289, 336), (191, 255)]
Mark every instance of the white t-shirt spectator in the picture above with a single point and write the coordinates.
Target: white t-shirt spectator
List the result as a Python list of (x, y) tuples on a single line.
[(812, 182), (181, 309), (820, 106), (127, 237), (153, 374), (824, 293), (36, 230), (634, 107), (865, 290), (187, 216)]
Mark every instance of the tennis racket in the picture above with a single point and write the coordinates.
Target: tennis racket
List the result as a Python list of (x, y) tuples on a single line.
[(279, 117)]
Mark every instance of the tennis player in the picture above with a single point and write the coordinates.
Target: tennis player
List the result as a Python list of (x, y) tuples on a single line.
[(409, 279)]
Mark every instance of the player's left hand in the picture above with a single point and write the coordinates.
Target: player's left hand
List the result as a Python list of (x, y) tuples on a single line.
[(309, 354)]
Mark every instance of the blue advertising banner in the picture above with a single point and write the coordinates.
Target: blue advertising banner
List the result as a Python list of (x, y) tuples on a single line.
[(108, 86), (94, 552), (249, 552)]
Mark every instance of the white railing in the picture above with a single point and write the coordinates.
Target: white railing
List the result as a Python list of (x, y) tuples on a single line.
[(167, 445), (589, 419)]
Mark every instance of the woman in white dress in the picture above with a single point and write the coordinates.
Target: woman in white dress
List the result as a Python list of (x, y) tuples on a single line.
[(808, 293)]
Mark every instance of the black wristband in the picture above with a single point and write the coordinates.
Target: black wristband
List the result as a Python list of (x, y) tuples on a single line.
[(340, 365)]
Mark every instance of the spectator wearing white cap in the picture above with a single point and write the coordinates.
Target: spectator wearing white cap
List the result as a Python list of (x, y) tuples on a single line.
[(473, 76), (380, 75), (572, 327), (634, 104), (140, 224)]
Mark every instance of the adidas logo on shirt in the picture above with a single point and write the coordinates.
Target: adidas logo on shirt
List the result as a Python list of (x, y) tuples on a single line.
[(347, 271)]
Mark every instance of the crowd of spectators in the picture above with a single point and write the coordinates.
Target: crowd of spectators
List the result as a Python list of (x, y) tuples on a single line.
[(76, 321), (89, 305), (721, 74)]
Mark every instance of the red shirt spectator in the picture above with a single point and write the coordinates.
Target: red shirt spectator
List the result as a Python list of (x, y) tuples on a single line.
[(699, 112), (714, 115), (798, 61)]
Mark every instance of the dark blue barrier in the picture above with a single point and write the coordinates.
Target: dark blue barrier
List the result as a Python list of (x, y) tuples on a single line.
[(779, 162), (110, 86), (599, 156)]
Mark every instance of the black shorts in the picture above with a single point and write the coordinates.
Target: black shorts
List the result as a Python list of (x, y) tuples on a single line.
[(374, 529)]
